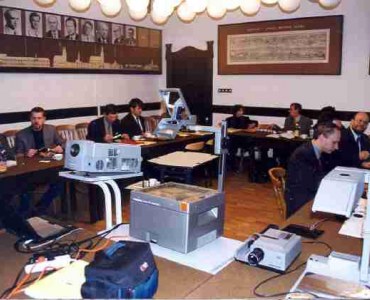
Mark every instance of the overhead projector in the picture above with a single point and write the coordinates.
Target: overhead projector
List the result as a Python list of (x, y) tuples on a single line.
[(87, 156)]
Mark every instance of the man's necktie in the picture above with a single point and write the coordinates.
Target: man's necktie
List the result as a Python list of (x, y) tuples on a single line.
[(359, 143), (139, 123)]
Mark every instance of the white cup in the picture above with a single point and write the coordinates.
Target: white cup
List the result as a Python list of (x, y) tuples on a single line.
[(136, 137), (304, 136), (289, 132), (58, 156), (153, 182)]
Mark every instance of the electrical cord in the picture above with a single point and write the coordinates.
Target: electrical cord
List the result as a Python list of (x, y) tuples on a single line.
[(286, 273)]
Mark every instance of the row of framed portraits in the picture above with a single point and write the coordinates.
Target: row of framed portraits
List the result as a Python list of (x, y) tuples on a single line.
[(41, 41), (45, 25)]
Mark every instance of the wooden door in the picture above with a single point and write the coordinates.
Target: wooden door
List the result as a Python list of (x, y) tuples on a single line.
[(191, 70)]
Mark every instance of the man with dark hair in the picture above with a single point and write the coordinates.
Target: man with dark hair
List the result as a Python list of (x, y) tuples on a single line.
[(308, 165), (238, 120), (87, 32), (296, 118), (12, 17), (329, 114), (133, 123), (104, 129), (71, 28), (35, 28), (354, 146), (39, 139)]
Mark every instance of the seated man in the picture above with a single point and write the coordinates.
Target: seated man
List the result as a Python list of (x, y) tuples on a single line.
[(238, 120), (308, 165), (133, 123), (295, 117), (104, 129), (354, 146), (329, 114), (29, 142)]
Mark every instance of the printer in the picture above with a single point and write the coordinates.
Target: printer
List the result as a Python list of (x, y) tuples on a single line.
[(177, 216)]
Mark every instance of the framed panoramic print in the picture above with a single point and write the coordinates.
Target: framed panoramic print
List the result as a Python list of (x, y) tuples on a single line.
[(33, 41), (293, 46)]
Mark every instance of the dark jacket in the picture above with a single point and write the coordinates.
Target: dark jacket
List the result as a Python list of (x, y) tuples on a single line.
[(239, 123), (304, 176), (304, 124), (348, 148), (5, 145), (25, 141), (96, 130), (131, 127)]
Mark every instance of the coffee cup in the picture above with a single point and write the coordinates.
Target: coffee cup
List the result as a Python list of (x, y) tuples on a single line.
[(304, 136), (58, 156)]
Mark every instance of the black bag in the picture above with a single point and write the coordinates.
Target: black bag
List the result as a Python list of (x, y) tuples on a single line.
[(125, 270)]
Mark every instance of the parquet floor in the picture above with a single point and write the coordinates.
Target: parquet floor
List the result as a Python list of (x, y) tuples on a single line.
[(250, 207)]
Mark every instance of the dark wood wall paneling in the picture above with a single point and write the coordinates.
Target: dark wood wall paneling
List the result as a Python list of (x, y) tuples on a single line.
[(279, 112), (66, 113)]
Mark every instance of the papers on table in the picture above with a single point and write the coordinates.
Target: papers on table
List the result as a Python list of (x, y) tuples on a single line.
[(183, 159), (11, 163)]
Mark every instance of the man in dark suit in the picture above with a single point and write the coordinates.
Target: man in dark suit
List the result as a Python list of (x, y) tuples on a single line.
[(53, 31), (104, 129), (238, 120), (354, 146), (296, 117), (28, 142), (308, 165), (133, 123), (71, 29)]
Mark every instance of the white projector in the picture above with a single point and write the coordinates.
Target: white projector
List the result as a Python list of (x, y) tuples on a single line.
[(339, 191), (274, 250), (87, 156)]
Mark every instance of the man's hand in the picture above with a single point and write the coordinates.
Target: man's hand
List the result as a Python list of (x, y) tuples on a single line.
[(125, 136), (364, 155), (108, 138), (31, 153), (46, 154), (57, 149), (366, 165)]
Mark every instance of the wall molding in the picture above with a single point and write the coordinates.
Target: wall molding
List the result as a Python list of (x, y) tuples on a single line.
[(279, 112), (67, 113)]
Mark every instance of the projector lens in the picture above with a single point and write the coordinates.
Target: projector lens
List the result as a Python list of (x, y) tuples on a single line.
[(75, 150), (255, 256)]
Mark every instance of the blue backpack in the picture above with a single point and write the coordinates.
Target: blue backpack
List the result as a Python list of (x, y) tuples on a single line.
[(124, 270)]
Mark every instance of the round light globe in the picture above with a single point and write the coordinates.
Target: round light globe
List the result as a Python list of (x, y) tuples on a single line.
[(45, 2), (289, 5), (80, 5), (216, 9), (163, 7), (232, 4), (250, 7), (158, 18), (110, 8), (138, 15), (329, 3), (197, 6), (185, 13), (137, 5), (269, 2)]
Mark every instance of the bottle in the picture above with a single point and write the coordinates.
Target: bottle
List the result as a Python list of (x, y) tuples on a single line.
[(311, 132), (3, 158), (296, 132)]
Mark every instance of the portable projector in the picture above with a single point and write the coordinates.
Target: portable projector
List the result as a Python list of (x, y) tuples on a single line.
[(274, 250), (87, 156)]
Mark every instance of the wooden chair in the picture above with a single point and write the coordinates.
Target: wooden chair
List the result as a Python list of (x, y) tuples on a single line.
[(67, 132), (150, 124), (10, 137), (277, 176), (81, 129)]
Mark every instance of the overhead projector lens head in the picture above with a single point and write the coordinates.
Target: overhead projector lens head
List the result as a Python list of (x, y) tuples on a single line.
[(75, 150), (255, 257)]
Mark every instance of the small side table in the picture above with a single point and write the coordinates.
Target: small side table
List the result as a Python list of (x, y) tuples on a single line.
[(104, 181)]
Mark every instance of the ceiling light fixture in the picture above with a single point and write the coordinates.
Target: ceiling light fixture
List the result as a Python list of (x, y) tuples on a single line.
[(161, 10)]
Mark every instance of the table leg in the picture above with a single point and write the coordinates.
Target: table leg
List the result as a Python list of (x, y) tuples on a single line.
[(108, 204), (118, 200)]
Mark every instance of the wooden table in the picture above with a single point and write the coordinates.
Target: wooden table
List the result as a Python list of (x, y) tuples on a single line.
[(236, 281)]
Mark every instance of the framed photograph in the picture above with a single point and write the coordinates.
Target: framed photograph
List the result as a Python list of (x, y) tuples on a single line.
[(34, 24), (87, 31), (40, 42), (294, 46), (12, 21), (53, 26)]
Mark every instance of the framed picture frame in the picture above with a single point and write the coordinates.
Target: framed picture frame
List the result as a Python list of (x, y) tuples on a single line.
[(304, 46), (43, 42)]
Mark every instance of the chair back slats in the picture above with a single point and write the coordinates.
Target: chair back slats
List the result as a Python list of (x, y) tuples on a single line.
[(81, 130), (67, 132), (10, 137)]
